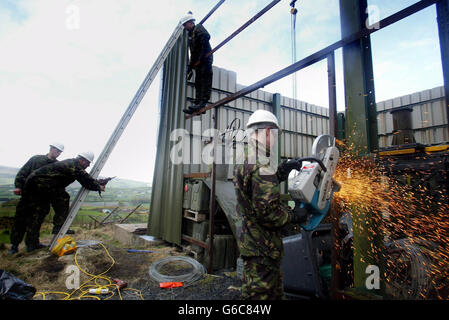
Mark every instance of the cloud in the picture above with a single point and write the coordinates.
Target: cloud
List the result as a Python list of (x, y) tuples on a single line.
[(418, 43)]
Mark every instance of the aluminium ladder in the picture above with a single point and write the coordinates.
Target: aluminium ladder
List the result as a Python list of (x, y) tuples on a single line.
[(82, 194)]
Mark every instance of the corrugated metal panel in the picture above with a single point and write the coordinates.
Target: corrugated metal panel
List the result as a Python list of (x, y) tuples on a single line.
[(166, 198), (429, 117)]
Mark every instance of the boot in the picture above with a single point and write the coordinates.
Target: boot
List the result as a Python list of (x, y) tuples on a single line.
[(198, 107), (188, 111), (14, 249), (194, 108), (36, 247)]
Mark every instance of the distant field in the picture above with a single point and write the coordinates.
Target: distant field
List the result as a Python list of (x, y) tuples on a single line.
[(122, 193), (83, 219)]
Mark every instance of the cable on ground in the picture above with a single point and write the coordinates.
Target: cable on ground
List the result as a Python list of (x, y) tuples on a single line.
[(188, 278), (83, 290)]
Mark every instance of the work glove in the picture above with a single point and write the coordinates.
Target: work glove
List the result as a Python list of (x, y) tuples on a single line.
[(189, 72), (286, 166), (298, 215)]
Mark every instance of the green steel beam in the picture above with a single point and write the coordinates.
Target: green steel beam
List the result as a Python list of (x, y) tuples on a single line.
[(341, 133), (443, 29), (332, 88), (361, 118), (276, 104), (277, 112), (361, 133)]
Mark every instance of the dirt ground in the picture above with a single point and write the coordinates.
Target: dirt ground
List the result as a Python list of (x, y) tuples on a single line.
[(49, 273)]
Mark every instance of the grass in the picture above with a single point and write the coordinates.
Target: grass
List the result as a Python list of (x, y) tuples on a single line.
[(4, 237)]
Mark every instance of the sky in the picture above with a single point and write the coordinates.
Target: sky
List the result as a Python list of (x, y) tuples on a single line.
[(69, 68)]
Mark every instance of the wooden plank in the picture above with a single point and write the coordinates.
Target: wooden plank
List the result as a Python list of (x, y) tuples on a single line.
[(195, 241), (197, 175)]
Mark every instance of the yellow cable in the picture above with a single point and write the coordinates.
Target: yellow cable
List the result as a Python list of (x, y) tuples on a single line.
[(96, 285)]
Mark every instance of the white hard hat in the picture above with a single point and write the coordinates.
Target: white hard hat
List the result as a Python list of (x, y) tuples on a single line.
[(262, 116), (58, 146), (88, 155), (187, 18)]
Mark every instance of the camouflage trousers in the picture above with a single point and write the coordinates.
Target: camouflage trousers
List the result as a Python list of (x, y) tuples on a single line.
[(262, 279), (33, 207)]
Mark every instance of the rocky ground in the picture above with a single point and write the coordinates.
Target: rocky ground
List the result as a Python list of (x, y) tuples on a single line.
[(50, 274)]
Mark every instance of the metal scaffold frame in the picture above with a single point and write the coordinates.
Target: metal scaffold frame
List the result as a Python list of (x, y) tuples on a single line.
[(328, 53)]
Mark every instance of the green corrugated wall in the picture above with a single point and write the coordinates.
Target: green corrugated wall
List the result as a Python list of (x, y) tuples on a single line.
[(167, 190)]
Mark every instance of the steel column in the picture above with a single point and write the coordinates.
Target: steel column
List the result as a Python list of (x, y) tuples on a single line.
[(277, 112), (361, 131), (332, 94), (443, 30), (359, 79), (212, 194)]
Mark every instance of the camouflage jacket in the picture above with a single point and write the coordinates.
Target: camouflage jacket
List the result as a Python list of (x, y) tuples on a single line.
[(60, 174), (199, 45), (261, 214), (32, 164)]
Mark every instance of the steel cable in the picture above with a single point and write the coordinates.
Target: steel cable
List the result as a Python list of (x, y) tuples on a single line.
[(187, 278)]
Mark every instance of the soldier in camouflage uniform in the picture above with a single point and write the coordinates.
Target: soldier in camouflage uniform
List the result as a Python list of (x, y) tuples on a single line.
[(199, 61), (49, 180), (261, 214), (20, 218)]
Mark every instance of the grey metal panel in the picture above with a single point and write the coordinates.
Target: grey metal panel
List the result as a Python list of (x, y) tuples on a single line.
[(327, 130), (381, 123), (415, 97), (388, 122), (438, 113), (309, 125), (429, 116), (216, 77), (232, 81), (291, 120), (416, 118), (319, 127)]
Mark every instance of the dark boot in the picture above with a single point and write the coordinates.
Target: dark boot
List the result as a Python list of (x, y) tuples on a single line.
[(195, 108), (188, 111), (36, 247), (14, 249), (198, 107)]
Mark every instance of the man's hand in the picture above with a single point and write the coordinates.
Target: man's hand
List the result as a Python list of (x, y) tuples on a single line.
[(17, 191), (286, 166), (298, 215)]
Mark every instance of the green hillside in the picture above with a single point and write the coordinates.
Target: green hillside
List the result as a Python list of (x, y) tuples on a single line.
[(123, 190)]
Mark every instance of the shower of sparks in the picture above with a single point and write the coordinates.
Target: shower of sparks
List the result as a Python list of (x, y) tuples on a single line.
[(398, 211)]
